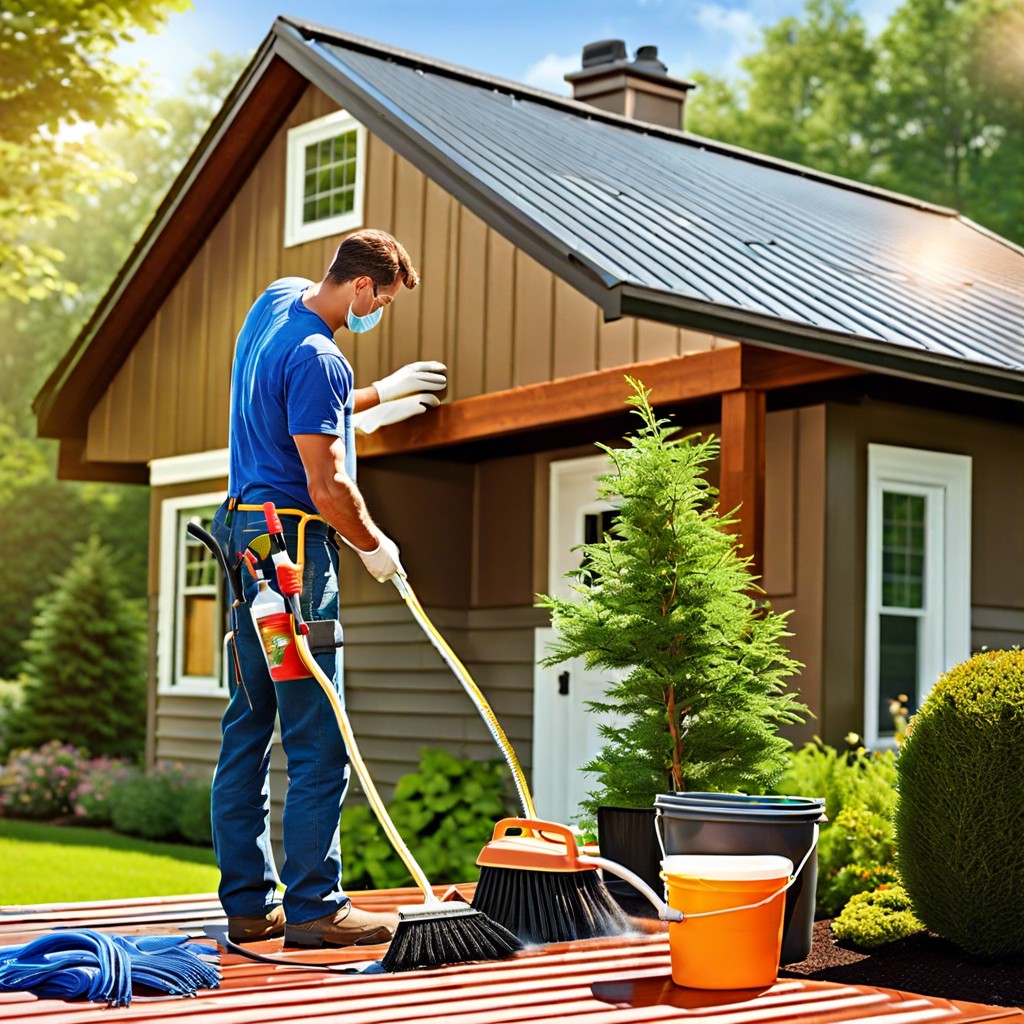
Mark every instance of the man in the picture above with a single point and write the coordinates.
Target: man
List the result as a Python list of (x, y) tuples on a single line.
[(293, 405)]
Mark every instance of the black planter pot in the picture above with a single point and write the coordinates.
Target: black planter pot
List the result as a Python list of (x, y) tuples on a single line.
[(628, 836)]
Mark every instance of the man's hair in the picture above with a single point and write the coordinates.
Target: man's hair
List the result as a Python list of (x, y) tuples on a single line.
[(376, 255)]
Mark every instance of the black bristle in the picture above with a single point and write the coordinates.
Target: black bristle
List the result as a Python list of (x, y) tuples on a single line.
[(435, 941), (549, 906)]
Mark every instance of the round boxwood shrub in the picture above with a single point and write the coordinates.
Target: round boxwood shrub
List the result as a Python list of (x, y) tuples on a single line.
[(960, 816), (873, 919)]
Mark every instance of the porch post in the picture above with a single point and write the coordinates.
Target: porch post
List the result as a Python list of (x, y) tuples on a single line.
[(742, 468)]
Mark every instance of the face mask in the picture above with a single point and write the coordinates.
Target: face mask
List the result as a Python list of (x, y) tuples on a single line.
[(362, 324)]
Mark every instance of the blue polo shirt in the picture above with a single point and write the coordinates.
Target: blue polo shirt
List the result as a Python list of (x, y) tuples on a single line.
[(289, 377)]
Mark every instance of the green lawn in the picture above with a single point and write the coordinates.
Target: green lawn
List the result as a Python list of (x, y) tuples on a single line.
[(54, 863)]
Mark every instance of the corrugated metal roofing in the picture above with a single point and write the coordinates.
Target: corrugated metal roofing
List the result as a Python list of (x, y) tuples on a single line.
[(660, 223), (604, 981)]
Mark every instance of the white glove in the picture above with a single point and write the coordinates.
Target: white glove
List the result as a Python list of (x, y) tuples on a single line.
[(423, 376), (382, 562), (386, 413)]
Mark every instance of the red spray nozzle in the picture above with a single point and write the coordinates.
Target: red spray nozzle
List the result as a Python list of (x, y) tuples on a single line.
[(273, 519)]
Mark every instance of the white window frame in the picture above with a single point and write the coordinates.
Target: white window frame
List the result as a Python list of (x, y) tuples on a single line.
[(299, 139), (944, 480), (169, 624)]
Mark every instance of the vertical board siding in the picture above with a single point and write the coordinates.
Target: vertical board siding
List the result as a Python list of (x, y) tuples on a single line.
[(491, 312)]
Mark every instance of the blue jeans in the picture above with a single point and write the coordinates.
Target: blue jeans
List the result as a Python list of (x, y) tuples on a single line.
[(318, 767)]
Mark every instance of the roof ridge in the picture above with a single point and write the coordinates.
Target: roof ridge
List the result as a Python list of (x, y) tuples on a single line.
[(324, 33)]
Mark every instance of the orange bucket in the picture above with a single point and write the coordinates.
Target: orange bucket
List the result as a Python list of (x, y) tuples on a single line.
[(737, 948)]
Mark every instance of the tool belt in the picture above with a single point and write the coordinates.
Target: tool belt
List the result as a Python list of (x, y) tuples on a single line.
[(325, 635)]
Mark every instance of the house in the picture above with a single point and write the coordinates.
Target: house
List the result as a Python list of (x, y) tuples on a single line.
[(859, 353)]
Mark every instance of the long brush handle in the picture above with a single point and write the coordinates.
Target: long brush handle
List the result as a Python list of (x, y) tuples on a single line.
[(372, 796), (475, 695)]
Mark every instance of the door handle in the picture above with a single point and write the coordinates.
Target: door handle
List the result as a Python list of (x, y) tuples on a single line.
[(563, 684)]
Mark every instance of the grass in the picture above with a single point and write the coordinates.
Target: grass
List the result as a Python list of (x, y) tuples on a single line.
[(58, 863)]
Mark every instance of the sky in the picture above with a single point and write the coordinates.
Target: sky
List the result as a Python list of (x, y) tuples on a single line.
[(534, 42)]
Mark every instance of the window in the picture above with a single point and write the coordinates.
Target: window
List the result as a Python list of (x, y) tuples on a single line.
[(325, 176), (918, 577), (193, 607)]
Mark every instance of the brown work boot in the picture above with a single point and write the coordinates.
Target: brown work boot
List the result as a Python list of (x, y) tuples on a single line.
[(253, 929), (346, 926)]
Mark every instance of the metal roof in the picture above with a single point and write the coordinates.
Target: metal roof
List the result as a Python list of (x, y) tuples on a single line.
[(623, 980), (653, 222)]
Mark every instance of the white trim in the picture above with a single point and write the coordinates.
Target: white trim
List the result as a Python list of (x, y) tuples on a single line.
[(168, 628), (185, 469), (299, 139), (944, 480)]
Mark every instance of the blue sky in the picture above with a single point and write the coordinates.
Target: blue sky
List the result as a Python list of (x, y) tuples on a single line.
[(531, 41)]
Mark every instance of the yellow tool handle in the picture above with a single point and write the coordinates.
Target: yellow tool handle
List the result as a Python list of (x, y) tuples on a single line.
[(362, 771), (463, 676)]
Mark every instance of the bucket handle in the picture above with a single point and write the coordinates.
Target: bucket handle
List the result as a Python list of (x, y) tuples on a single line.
[(760, 903)]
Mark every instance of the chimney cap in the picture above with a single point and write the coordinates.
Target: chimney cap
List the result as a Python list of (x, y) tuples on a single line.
[(647, 58), (605, 51)]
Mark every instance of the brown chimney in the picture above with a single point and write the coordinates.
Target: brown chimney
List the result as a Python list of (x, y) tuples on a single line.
[(641, 89)]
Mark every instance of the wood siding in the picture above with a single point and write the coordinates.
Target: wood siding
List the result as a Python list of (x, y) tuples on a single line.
[(486, 308)]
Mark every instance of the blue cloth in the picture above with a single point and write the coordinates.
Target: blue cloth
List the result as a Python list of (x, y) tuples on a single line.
[(317, 758), (104, 968), (288, 377)]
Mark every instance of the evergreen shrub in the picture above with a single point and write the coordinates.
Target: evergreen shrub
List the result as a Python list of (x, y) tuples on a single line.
[(194, 824), (445, 812), (873, 919), (960, 815), (84, 677), (666, 601)]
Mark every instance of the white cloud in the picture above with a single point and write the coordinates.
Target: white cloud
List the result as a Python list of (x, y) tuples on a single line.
[(739, 26), (548, 73)]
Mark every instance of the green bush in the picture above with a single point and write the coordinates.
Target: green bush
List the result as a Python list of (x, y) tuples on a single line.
[(194, 813), (85, 677), (873, 919), (40, 783), (856, 850), (445, 812), (147, 805), (854, 779), (97, 779), (960, 816)]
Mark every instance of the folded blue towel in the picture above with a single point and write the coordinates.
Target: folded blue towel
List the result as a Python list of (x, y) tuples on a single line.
[(103, 968)]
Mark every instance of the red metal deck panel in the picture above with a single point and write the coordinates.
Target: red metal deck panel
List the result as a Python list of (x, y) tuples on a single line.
[(604, 981)]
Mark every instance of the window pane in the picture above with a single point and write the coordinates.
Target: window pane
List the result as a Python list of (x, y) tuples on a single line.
[(200, 639), (903, 532), (329, 180), (898, 653)]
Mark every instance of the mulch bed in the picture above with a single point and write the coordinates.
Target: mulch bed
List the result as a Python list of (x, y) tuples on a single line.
[(923, 963)]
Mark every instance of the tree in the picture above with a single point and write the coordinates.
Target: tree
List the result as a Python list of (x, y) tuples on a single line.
[(85, 679), (804, 94), (665, 599), (946, 115), (57, 72), (930, 108)]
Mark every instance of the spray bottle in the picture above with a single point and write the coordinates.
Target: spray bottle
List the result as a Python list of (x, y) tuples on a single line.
[(273, 622)]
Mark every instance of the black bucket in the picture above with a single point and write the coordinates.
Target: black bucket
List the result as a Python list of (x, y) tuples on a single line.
[(736, 824)]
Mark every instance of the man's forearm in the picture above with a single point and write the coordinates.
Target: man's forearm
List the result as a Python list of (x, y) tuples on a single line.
[(364, 398), (341, 503)]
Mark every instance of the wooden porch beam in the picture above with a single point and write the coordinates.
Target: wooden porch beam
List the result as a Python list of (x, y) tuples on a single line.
[(705, 374), (741, 484), (552, 403)]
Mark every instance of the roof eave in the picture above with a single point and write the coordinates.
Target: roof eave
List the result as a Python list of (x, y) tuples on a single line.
[(864, 353)]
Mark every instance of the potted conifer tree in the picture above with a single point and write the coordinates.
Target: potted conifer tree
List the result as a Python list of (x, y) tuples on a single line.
[(666, 599)]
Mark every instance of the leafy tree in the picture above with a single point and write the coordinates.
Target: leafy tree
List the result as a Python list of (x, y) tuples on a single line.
[(665, 600), (930, 108), (804, 96), (947, 117), (85, 680), (57, 72)]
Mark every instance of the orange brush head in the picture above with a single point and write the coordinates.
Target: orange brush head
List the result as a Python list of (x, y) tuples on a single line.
[(544, 846)]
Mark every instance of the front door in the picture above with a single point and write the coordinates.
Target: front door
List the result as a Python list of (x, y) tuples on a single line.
[(566, 735)]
